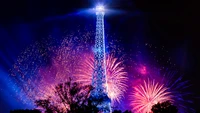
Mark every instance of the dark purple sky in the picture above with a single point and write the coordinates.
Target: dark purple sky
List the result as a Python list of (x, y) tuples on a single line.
[(172, 23)]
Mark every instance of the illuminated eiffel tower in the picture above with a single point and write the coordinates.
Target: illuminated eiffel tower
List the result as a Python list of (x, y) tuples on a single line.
[(99, 81)]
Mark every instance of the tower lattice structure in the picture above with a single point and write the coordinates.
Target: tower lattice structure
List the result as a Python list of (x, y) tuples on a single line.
[(99, 80)]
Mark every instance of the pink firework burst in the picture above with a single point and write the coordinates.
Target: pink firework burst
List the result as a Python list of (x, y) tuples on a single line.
[(116, 76), (148, 93)]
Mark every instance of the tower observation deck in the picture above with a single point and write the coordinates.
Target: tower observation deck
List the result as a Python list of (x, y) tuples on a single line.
[(99, 81)]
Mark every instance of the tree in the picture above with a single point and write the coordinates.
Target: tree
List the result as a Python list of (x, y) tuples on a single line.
[(25, 111), (127, 111), (119, 111), (72, 98), (165, 107)]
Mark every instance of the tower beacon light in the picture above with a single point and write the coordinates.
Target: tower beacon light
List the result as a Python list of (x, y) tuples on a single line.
[(100, 8)]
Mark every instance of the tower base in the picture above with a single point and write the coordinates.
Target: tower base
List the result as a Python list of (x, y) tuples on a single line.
[(102, 102)]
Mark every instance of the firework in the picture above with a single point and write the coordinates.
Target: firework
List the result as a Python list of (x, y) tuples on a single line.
[(43, 65), (148, 93), (115, 72), (179, 89)]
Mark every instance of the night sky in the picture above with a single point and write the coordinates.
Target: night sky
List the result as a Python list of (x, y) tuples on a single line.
[(173, 24)]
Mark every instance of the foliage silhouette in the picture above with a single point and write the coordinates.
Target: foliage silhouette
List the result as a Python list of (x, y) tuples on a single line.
[(127, 111), (73, 97), (165, 107), (119, 111), (25, 111)]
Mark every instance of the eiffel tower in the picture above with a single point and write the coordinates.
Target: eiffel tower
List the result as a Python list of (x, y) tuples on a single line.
[(99, 81)]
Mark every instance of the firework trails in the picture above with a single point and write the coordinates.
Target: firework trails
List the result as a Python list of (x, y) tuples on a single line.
[(45, 64), (146, 94), (116, 76)]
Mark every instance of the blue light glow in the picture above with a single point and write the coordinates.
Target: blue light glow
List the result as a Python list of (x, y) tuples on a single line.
[(100, 8)]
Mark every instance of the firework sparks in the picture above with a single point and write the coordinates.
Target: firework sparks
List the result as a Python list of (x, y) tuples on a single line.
[(43, 65), (148, 93), (116, 76), (179, 89)]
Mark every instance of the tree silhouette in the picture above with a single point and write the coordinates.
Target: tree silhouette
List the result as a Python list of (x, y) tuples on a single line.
[(127, 111), (25, 111), (72, 98), (119, 111), (165, 107)]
